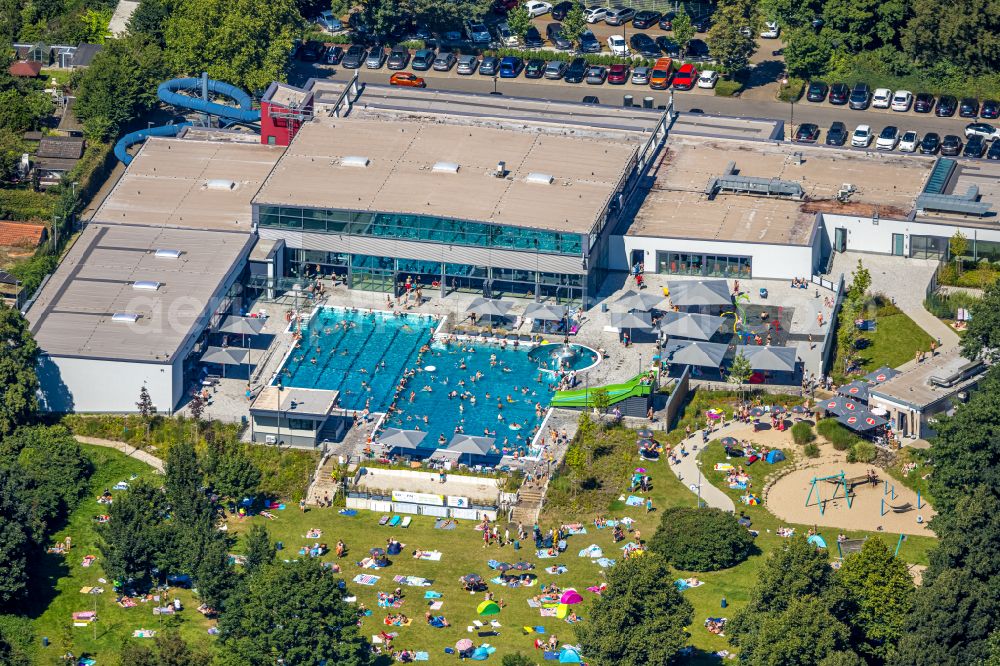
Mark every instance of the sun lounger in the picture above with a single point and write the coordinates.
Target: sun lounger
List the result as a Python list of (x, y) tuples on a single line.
[(394, 521), (406, 522), (383, 520)]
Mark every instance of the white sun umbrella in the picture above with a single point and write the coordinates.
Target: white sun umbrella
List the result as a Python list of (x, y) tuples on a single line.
[(471, 444), (633, 300), (546, 312), (489, 307), (403, 439), (689, 325), (688, 293), (226, 356), (706, 354)]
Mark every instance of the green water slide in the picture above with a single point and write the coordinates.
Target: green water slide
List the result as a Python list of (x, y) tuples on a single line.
[(616, 393)]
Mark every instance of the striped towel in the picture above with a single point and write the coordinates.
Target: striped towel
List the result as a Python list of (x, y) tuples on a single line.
[(366, 579)]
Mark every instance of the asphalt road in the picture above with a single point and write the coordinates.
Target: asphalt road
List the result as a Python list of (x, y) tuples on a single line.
[(822, 114)]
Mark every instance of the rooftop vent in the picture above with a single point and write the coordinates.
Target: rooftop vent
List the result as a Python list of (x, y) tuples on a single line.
[(354, 161), (146, 285), (168, 254), (445, 167), (539, 178), (220, 184), (126, 317)]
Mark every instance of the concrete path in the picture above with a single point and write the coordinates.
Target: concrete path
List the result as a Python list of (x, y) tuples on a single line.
[(127, 449), (687, 471)]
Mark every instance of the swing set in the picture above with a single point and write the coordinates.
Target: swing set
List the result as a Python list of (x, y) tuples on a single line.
[(838, 481)]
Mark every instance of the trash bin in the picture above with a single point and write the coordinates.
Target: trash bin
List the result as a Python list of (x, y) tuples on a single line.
[(517, 545), (627, 100), (647, 102), (724, 602), (45, 641)]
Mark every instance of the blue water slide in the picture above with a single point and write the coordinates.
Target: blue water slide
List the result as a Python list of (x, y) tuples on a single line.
[(121, 148)]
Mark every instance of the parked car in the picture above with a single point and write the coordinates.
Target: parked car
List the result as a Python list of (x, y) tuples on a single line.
[(576, 71), (984, 130), (807, 133), (618, 74), (862, 136), (334, 55), (990, 109), (467, 64), (504, 34), (489, 66), (839, 94), (816, 92), (640, 75), (559, 10), (354, 57), (595, 14), (617, 46), (662, 75), (974, 147), (908, 142), (685, 77), (644, 45), (503, 7), (881, 98), (923, 103), (668, 46), (771, 30), (930, 143), (888, 139), (311, 51), (478, 33), (667, 21), (554, 33), (329, 22), (968, 107), (399, 58), (589, 43), (537, 8), (702, 23), (444, 61), (510, 67), (837, 134), (555, 69), (902, 100), (861, 97), (533, 38), (951, 145), (596, 75), (708, 78), (591, 99), (619, 15), (645, 19), (946, 106), (994, 152), (534, 69), (423, 59), (697, 50), (376, 58), (407, 79)]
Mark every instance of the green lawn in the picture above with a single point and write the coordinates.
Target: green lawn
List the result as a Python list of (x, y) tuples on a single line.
[(895, 341)]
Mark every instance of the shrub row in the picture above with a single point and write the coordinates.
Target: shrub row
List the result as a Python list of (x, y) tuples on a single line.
[(841, 438)]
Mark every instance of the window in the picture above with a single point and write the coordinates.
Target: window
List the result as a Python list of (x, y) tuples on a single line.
[(723, 266)]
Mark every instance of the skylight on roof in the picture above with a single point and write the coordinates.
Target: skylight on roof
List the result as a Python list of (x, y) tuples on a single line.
[(125, 317), (168, 254), (359, 161), (445, 167), (539, 178), (146, 285)]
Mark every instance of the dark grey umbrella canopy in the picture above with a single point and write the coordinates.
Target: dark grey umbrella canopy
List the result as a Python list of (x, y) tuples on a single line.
[(242, 325), (707, 354), (840, 405), (404, 439), (226, 356), (776, 359), (633, 300), (861, 421), (489, 307), (471, 444), (640, 320), (883, 374), (689, 325), (689, 293), (856, 389), (546, 312)]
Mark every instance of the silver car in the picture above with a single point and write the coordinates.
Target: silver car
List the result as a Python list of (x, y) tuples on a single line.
[(467, 64), (555, 69), (375, 59), (640, 76), (444, 61), (619, 15)]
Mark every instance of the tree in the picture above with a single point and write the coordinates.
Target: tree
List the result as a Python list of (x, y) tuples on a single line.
[(740, 371), (957, 245), (213, 574), (880, 593), (701, 539), (982, 338), (519, 21), (294, 611), (134, 535), (575, 23), (969, 536), (258, 548), (11, 149), (243, 42), (173, 650), (640, 619), (21, 110), (18, 381), (802, 634), (150, 19), (956, 36), (13, 560), (601, 400), (17, 636), (730, 46), (235, 475), (861, 282), (848, 335), (197, 407), (683, 30), (807, 54), (188, 504)]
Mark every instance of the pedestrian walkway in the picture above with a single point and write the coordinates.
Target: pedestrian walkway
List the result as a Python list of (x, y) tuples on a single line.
[(687, 471), (127, 449)]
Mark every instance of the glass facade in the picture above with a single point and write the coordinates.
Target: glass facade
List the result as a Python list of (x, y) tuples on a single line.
[(710, 265), (928, 247), (422, 228)]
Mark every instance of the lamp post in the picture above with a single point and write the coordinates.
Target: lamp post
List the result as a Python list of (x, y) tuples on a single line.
[(277, 438), (791, 106), (495, 91), (698, 462)]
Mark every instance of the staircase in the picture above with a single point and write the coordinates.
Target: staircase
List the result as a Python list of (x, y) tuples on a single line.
[(529, 504), (324, 482)]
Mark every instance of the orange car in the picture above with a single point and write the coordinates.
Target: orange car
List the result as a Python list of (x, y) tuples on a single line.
[(407, 79), (663, 72)]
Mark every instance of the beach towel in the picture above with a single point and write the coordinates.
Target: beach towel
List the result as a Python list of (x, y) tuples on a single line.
[(383, 520), (604, 562), (121, 485), (445, 524), (556, 569), (366, 579), (436, 605), (421, 656), (406, 522), (433, 556), (597, 589), (682, 584), (547, 612), (576, 529), (497, 581), (492, 564), (367, 563), (350, 513), (534, 604), (144, 633), (413, 581), (431, 594), (593, 550), (395, 521), (544, 554), (723, 467), (549, 655), (634, 501), (86, 661)]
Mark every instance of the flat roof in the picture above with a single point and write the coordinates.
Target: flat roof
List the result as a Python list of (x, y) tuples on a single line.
[(678, 207), (984, 174), (303, 401), (73, 314), (913, 387), (168, 184), (399, 176)]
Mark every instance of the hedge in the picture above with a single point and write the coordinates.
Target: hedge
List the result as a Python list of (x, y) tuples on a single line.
[(24, 204), (793, 91), (728, 88), (803, 433), (841, 438), (701, 539)]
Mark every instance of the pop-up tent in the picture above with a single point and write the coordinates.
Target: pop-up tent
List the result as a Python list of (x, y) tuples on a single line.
[(774, 456)]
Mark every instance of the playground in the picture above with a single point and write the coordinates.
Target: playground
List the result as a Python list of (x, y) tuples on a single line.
[(886, 506)]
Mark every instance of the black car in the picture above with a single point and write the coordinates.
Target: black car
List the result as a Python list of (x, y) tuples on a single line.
[(701, 24), (861, 97), (534, 69), (644, 45), (669, 47), (951, 145), (335, 55), (990, 109), (837, 134), (645, 19), (560, 10), (697, 50), (555, 34), (923, 103), (817, 91), (968, 107), (994, 152), (667, 21), (975, 146), (930, 143), (807, 133), (589, 43), (946, 106), (533, 38), (839, 94), (576, 71), (398, 58), (355, 57)]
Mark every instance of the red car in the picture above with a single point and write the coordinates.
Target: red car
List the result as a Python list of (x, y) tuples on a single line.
[(407, 79), (685, 78), (618, 74)]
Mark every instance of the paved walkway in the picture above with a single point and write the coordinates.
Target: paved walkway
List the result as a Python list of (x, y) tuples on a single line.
[(127, 449), (687, 471)]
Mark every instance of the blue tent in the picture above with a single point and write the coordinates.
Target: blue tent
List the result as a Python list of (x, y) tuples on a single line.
[(774, 456), (569, 656), (817, 541)]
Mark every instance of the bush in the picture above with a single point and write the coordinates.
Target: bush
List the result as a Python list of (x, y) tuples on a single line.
[(862, 452), (567, 56), (811, 450), (841, 438), (701, 539), (792, 92), (945, 306), (26, 205), (803, 433), (728, 88)]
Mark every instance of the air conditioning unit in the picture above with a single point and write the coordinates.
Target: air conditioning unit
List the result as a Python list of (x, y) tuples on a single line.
[(270, 439)]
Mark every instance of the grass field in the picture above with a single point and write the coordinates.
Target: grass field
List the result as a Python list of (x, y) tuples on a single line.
[(895, 340)]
